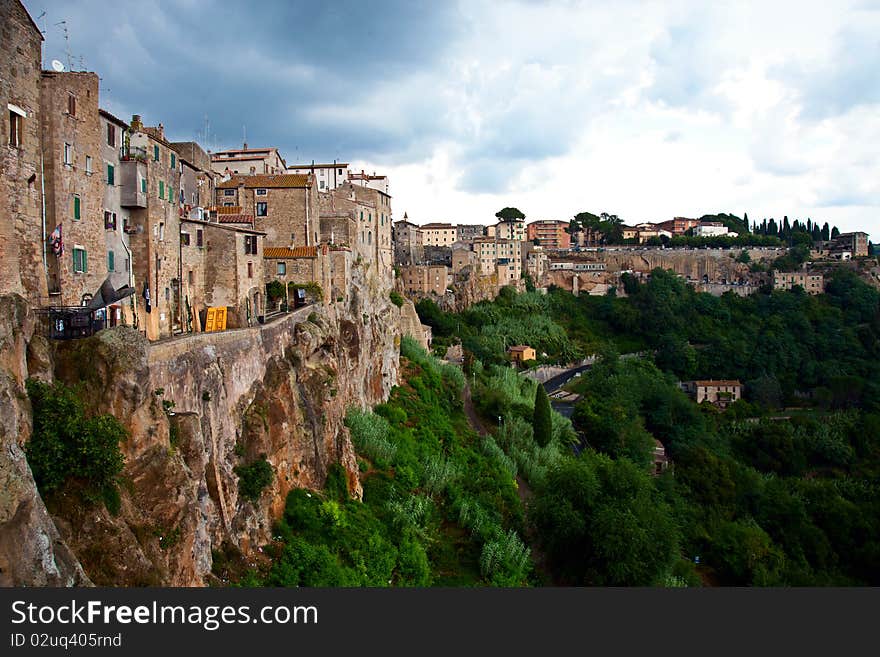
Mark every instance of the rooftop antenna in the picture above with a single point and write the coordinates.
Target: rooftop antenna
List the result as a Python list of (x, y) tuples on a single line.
[(66, 41), (244, 135)]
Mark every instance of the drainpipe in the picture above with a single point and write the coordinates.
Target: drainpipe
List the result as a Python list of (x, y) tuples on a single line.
[(43, 199)]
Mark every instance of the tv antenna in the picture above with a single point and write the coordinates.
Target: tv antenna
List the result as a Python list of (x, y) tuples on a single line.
[(66, 40)]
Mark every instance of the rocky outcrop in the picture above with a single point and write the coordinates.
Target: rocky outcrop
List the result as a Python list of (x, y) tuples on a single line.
[(32, 552), (195, 408)]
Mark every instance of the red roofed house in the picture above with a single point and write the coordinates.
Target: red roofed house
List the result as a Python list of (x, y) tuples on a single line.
[(521, 353)]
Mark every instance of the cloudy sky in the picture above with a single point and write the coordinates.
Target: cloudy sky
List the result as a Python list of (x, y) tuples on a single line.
[(644, 109)]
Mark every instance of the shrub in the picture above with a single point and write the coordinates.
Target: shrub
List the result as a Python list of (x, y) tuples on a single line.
[(369, 433), (274, 291), (542, 423), (396, 299), (253, 478), (66, 445)]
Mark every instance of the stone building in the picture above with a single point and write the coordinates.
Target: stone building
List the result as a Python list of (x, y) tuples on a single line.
[(678, 225), (78, 170), (151, 184), (285, 206), (22, 255), (467, 232), (373, 181), (248, 162), (407, 241), (419, 280), (855, 243), (301, 265), (718, 392), (463, 258), (811, 283), (222, 265), (510, 229), (549, 233)]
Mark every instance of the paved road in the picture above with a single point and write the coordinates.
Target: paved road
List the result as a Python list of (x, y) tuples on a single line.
[(554, 384)]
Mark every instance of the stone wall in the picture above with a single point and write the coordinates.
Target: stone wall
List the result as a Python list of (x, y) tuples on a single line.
[(21, 236)]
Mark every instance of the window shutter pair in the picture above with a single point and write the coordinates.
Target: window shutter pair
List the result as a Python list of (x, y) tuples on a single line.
[(76, 207)]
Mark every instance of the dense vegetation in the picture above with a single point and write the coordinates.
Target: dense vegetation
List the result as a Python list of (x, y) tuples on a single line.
[(779, 489), (70, 451), (439, 507)]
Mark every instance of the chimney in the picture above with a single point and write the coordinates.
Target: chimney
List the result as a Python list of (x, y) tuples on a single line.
[(161, 129), (245, 146), (136, 123)]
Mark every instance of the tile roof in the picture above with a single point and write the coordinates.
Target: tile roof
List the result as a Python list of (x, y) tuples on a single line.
[(270, 181), (287, 252), (235, 218), (720, 382)]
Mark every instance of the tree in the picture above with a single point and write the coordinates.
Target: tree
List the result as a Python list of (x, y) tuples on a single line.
[(542, 423), (510, 214), (826, 232), (835, 233)]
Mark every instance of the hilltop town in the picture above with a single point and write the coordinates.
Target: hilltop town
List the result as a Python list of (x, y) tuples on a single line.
[(193, 342)]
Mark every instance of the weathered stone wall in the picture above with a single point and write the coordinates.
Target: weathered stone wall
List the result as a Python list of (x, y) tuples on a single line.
[(21, 237)]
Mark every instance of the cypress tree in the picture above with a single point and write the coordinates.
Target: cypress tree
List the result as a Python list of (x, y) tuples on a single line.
[(542, 424), (826, 232)]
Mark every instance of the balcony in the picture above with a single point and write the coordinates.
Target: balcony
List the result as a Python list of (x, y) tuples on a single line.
[(133, 173)]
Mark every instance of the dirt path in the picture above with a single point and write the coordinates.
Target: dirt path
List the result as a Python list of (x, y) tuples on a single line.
[(523, 489)]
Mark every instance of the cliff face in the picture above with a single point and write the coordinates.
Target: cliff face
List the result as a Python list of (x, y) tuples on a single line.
[(195, 408)]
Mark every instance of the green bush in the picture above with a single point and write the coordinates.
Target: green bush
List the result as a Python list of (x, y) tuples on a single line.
[(253, 478), (67, 446), (396, 299)]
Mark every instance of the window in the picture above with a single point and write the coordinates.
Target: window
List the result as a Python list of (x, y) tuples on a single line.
[(162, 189), (80, 260), (173, 160), (76, 208), (228, 192), (228, 204), (126, 225), (321, 185), (262, 209), (161, 232), (200, 237), (170, 192), (282, 269), (111, 261), (339, 171), (155, 153), (189, 277), (250, 244), (111, 134), (250, 270), (261, 192), (15, 124), (71, 104), (109, 220), (111, 174), (68, 155), (184, 239)]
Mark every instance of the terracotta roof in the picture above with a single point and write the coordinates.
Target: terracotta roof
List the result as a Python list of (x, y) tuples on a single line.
[(287, 252), (519, 347), (235, 218), (228, 209), (719, 382), (438, 225), (271, 181)]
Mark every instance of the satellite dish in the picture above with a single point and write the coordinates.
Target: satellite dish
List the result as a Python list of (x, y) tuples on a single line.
[(57, 66)]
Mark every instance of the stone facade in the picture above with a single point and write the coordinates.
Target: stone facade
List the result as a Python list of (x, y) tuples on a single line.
[(439, 234), (285, 206), (461, 258), (811, 283), (407, 240), (248, 161), (420, 280), (151, 191), (22, 268), (76, 181), (467, 232)]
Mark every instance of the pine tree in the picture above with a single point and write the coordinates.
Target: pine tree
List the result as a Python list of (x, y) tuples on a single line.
[(542, 424), (834, 232), (746, 221), (826, 234)]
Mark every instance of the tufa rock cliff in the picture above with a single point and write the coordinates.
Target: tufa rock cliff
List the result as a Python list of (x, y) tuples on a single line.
[(195, 407)]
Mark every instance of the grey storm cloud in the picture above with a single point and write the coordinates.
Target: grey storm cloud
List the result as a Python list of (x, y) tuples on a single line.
[(266, 65)]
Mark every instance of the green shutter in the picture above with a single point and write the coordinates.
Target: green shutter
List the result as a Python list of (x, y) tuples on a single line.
[(162, 189), (170, 192), (144, 185), (173, 160), (85, 261), (110, 174), (156, 153), (76, 208), (111, 257)]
